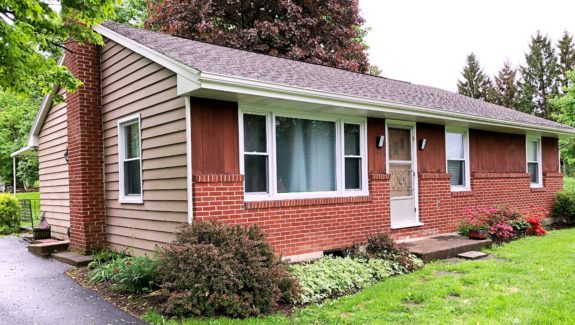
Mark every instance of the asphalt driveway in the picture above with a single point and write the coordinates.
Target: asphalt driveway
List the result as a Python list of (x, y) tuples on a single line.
[(36, 290)]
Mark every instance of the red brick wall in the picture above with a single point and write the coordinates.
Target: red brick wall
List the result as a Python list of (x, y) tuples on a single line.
[(85, 150), (311, 225), (296, 226)]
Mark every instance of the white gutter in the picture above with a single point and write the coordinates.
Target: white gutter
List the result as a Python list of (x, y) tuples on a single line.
[(26, 151)]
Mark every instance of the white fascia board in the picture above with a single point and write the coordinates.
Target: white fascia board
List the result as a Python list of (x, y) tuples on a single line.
[(266, 89), (41, 117), (43, 111), (184, 72)]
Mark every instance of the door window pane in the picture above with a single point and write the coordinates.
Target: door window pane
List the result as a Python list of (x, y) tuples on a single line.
[(255, 133), (457, 170), (256, 173), (454, 144), (399, 144), (401, 180), (306, 155), (352, 173)]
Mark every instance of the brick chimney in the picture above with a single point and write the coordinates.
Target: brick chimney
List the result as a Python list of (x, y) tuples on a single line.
[(85, 150)]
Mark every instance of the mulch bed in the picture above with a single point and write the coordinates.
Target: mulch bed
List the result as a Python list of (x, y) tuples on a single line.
[(134, 304)]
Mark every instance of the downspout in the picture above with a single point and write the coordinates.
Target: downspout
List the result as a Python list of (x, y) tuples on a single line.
[(189, 182), (14, 174)]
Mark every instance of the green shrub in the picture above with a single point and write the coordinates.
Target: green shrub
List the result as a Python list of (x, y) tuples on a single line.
[(330, 277), (213, 268), (381, 246), (128, 274), (9, 214), (564, 207)]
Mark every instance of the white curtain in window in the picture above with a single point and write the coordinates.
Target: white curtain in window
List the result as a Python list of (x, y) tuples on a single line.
[(305, 155)]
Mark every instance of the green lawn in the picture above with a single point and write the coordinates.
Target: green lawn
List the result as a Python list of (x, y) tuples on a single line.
[(528, 281), (28, 195), (34, 196), (569, 183)]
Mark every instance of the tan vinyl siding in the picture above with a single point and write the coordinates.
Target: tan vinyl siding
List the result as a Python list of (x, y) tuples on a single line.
[(132, 84), (54, 195)]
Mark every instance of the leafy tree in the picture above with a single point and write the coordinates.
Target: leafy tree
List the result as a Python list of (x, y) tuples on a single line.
[(131, 12), (32, 37), (566, 50), (506, 90), (27, 171), (566, 115), (539, 77), (16, 116), (475, 83), (321, 32)]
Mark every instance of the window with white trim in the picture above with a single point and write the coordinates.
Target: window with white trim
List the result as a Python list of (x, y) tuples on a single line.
[(289, 156), (534, 160), (456, 149), (130, 161)]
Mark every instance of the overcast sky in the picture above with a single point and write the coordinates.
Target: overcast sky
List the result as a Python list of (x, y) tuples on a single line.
[(426, 42)]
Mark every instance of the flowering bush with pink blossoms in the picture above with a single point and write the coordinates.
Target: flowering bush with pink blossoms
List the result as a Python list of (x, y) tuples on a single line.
[(504, 223)]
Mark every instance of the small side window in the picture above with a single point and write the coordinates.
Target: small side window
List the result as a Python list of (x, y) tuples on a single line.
[(534, 161), (130, 160), (457, 162)]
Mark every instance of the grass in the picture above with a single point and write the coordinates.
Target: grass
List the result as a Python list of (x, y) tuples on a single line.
[(569, 183), (28, 195), (527, 281), (35, 206)]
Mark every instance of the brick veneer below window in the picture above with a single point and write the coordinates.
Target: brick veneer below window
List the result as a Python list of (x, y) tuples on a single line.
[(296, 227)]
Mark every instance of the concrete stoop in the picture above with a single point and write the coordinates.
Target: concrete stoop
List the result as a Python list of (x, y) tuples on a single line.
[(444, 246), (73, 259), (45, 247)]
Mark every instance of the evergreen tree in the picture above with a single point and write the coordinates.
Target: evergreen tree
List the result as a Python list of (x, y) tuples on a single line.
[(475, 83), (566, 49), (539, 78), (506, 90)]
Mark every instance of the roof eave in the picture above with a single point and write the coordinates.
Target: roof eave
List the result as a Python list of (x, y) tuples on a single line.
[(191, 80), (266, 89)]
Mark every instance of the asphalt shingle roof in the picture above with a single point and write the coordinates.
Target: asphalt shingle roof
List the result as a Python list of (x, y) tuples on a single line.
[(238, 63)]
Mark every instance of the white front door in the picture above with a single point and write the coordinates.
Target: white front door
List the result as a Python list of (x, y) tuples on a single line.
[(401, 162)]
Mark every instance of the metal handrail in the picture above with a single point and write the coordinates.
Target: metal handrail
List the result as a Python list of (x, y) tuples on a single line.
[(30, 210)]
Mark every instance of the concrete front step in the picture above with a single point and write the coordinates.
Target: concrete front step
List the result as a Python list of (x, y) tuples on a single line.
[(444, 246), (46, 247), (73, 259)]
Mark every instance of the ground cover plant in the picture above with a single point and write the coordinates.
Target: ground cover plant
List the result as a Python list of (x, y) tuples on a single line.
[(529, 281), (125, 273)]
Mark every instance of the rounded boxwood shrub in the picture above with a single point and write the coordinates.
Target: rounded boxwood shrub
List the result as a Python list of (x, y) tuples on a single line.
[(213, 268), (9, 214), (564, 207)]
